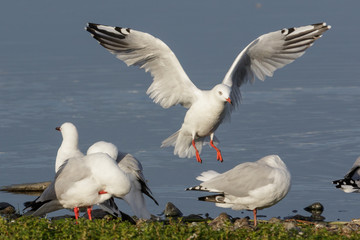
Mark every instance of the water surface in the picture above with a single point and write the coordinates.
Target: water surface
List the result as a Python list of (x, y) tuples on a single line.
[(52, 71)]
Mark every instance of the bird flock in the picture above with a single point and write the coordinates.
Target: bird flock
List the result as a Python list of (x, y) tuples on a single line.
[(104, 173)]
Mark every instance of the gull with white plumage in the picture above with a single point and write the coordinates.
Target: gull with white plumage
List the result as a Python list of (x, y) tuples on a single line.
[(207, 109), (249, 185)]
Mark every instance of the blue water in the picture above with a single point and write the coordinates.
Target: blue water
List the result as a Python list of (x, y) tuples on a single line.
[(52, 71)]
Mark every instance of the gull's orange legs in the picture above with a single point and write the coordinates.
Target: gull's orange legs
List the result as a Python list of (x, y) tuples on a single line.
[(218, 152), (76, 211), (89, 212), (197, 152), (255, 222)]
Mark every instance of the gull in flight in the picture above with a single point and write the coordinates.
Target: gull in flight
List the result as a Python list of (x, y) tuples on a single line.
[(351, 181), (207, 109), (249, 185)]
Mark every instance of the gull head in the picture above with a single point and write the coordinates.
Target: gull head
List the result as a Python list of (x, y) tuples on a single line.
[(68, 129), (222, 92), (104, 147)]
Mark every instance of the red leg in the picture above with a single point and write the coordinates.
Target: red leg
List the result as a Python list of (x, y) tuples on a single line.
[(197, 152), (102, 192), (89, 212), (76, 211), (218, 152), (255, 222)]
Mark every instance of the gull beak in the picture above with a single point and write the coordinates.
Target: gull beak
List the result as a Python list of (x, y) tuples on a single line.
[(229, 100), (58, 128)]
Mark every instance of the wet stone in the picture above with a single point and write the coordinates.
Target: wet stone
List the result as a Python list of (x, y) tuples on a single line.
[(315, 207), (6, 208), (172, 211)]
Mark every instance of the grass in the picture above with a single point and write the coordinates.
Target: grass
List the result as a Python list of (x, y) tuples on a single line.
[(35, 228)]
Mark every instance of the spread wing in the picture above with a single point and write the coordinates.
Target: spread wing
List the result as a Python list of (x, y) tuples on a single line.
[(270, 52), (170, 84)]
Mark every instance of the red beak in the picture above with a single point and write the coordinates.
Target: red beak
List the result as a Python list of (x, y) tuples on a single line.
[(229, 100)]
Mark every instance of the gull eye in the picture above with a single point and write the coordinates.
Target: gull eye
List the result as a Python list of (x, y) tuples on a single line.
[(220, 93)]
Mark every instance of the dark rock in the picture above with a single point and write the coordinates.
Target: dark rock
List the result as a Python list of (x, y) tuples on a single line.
[(315, 207), (172, 211), (6, 208)]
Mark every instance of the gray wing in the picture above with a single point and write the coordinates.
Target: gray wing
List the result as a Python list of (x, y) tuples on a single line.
[(47, 201), (354, 172), (130, 165), (73, 170), (240, 180), (171, 85), (270, 52)]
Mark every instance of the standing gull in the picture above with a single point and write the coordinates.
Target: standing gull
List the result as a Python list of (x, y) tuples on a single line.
[(207, 108), (133, 169), (130, 165), (249, 185), (69, 145), (351, 181), (82, 182)]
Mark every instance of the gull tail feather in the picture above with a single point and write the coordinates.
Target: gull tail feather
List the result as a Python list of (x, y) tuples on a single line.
[(182, 144)]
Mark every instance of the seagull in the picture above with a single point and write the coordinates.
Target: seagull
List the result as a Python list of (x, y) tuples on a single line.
[(207, 109), (134, 171), (130, 165), (351, 181), (249, 185), (69, 145), (82, 182)]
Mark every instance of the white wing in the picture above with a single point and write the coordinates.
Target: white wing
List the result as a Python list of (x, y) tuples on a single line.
[(270, 52), (171, 85)]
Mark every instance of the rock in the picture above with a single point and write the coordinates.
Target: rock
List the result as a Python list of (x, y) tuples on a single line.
[(220, 221), (315, 207), (241, 223), (320, 225), (27, 188), (172, 211), (6, 208), (347, 229)]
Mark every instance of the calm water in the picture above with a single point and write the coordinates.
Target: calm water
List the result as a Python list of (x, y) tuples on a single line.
[(52, 71)]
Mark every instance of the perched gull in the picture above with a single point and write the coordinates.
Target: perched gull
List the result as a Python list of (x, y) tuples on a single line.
[(249, 185), (133, 169), (351, 181), (69, 146), (82, 182), (207, 108)]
